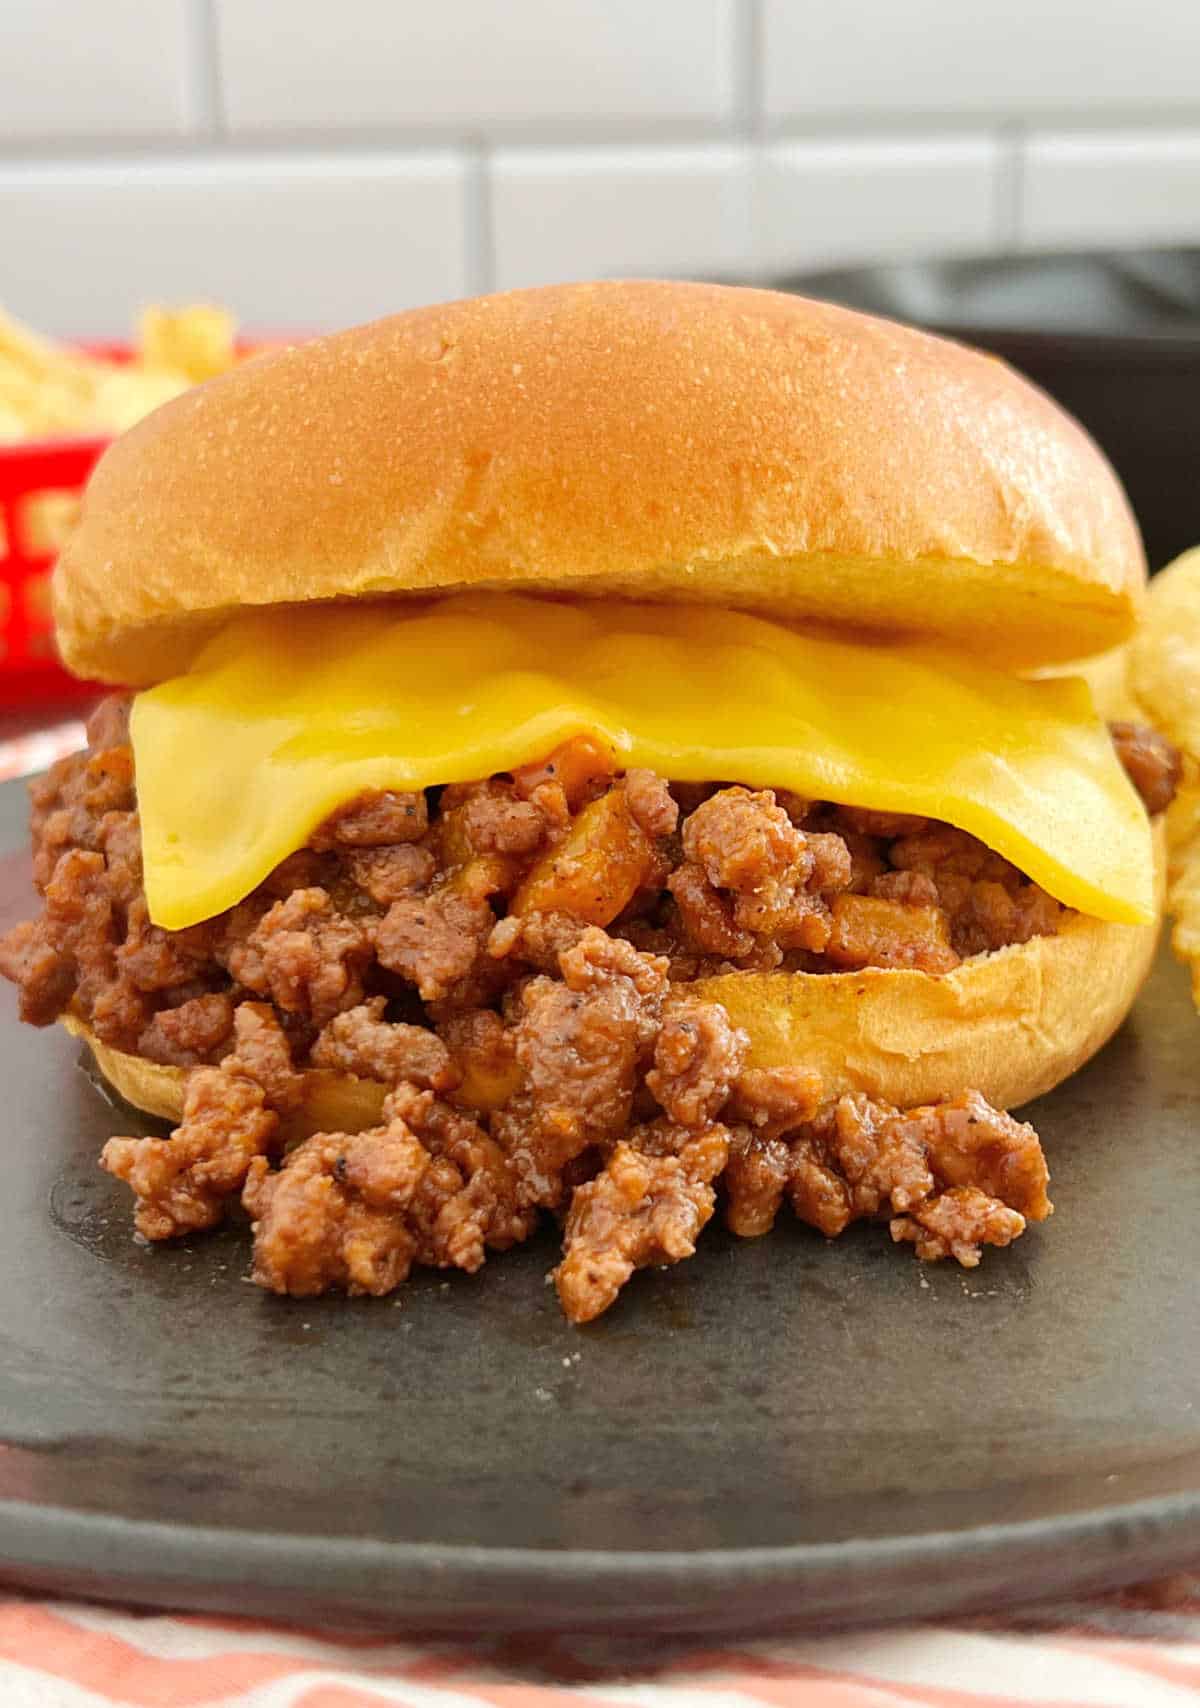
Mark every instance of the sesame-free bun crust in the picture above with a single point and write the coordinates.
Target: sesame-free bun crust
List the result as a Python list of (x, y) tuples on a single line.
[(332, 1103), (1012, 1025), (673, 441)]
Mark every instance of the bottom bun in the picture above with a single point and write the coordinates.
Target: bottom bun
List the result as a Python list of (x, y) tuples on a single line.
[(332, 1102), (1011, 1024)]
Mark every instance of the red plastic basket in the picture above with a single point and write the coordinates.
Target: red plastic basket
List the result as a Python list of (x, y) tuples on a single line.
[(33, 477), (41, 482)]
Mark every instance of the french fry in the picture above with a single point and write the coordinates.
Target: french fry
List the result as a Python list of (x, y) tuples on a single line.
[(47, 518), (48, 390), (197, 342)]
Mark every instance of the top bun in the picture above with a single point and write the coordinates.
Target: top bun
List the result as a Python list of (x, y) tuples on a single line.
[(663, 441)]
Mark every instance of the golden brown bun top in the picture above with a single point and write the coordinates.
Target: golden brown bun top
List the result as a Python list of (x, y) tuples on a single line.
[(664, 441)]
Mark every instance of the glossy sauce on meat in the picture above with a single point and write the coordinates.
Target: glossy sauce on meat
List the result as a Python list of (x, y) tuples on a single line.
[(512, 959)]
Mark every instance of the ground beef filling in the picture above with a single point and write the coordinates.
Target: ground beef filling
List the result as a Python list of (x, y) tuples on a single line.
[(512, 958)]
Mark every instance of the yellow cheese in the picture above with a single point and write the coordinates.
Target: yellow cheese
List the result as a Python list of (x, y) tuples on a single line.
[(287, 714)]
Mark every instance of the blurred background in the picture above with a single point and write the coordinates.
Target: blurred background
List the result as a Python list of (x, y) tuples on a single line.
[(1026, 176), (314, 162)]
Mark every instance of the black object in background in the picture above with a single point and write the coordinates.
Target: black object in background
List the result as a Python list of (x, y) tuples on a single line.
[(1114, 337)]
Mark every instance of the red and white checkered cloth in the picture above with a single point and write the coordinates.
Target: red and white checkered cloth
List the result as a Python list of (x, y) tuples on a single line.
[(1134, 1651), (24, 755)]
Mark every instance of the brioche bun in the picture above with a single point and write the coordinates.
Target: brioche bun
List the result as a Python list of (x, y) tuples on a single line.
[(1011, 1024), (332, 1103), (666, 441)]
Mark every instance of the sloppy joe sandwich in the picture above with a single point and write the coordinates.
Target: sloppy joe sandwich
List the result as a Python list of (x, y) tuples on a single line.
[(591, 756)]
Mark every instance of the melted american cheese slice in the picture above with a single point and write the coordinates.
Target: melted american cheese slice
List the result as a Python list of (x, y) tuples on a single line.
[(287, 714)]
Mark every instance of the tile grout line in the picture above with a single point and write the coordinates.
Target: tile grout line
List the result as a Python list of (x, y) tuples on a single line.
[(480, 259), (748, 69), (750, 119), (1010, 187), (873, 129), (202, 77)]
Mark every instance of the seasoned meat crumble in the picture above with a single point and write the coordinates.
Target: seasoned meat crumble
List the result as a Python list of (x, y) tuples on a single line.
[(512, 959)]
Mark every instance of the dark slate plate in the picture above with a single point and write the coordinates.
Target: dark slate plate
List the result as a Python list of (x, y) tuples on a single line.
[(779, 1432)]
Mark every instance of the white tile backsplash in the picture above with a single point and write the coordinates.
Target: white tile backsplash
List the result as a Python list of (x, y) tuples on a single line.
[(299, 243), (1112, 190), (77, 68), (316, 162), (830, 204), (473, 64), (589, 213), (978, 56)]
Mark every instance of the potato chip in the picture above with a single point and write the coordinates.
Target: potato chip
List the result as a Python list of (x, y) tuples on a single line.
[(47, 518), (48, 390), (123, 395), (1183, 879), (197, 342), (1164, 677), (27, 351), (1164, 658)]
